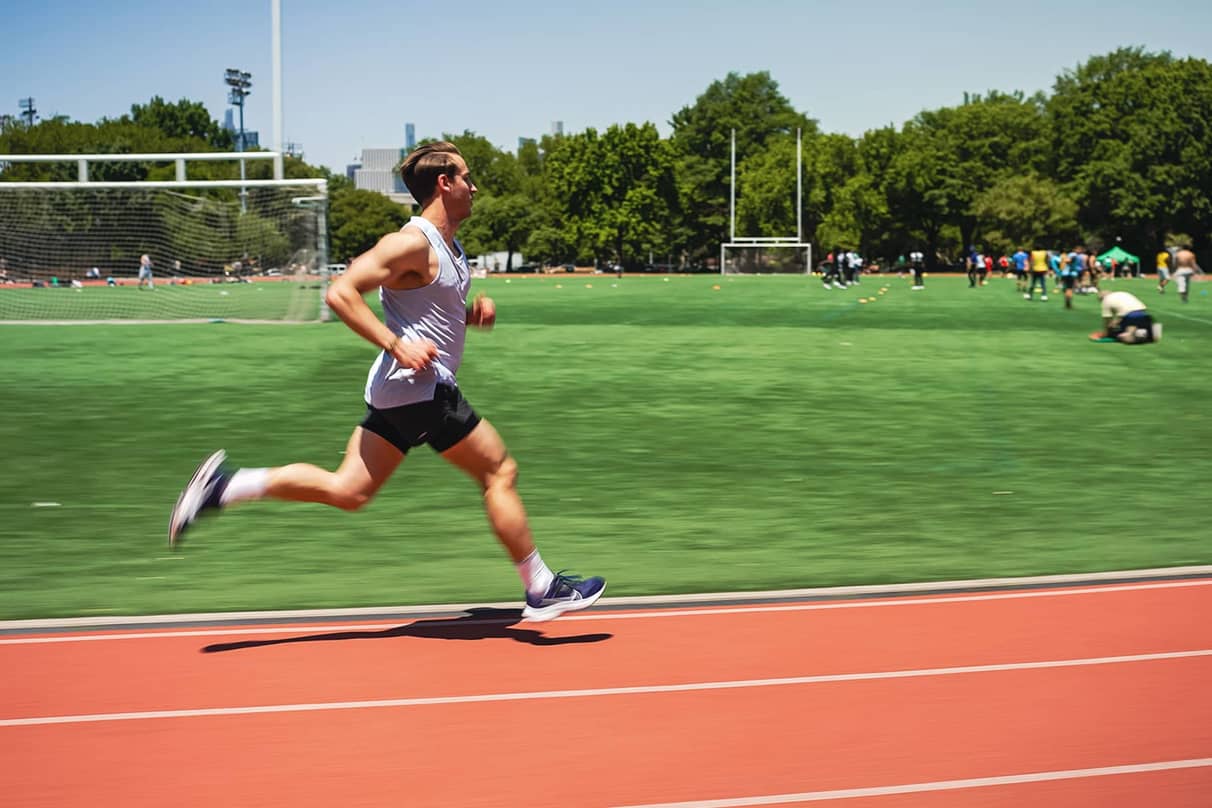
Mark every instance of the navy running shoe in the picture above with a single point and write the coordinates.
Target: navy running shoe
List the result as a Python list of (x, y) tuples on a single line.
[(567, 593), (201, 495)]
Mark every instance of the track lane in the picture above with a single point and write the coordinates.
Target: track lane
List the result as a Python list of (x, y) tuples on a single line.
[(632, 750), (482, 653)]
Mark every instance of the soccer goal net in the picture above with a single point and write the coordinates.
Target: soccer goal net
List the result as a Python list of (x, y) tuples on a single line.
[(162, 251), (751, 258)]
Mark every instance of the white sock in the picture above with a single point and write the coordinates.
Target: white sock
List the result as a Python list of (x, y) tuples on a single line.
[(244, 485), (535, 574)]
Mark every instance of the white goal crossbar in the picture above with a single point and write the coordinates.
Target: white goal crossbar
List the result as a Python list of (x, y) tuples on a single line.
[(180, 159)]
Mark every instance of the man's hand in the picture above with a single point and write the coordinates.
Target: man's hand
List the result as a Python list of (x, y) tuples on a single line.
[(415, 354), (483, 312)]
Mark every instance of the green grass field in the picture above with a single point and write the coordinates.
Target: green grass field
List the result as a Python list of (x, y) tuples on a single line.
[(672, 436)]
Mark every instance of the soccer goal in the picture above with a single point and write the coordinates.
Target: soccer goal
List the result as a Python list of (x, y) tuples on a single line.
[(767, 255), (177, 250)]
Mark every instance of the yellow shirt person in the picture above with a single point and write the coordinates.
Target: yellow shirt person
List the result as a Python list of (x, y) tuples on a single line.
[(1039, 260)]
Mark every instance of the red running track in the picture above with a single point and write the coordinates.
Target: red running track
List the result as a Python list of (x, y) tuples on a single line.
[(1066, 697)]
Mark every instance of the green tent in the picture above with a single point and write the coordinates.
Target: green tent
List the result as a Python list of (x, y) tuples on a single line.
[(1119, 255)]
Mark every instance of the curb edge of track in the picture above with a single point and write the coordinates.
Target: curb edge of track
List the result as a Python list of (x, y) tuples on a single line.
[(617, 603)]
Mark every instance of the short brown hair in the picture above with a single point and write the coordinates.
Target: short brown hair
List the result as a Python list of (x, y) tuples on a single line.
[(424, 164)]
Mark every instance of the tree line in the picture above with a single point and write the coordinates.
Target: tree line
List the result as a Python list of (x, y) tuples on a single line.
[(1120, 151)]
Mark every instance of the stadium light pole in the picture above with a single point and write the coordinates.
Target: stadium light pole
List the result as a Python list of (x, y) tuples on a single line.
[(240, 82), (276, 17)]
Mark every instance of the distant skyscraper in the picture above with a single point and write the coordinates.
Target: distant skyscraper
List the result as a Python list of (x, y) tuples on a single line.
[(252, 138), (557, 127), (522, 141), (410, 136)]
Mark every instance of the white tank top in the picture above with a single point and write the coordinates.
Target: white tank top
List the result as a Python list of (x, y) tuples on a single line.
[(437, 312)]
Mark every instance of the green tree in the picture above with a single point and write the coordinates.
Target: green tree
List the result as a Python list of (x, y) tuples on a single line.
[(1088, 103), (915, 189), (151, 128), (1025, 210), (948, 157), (860, 215), (701, 140), (616, 192), (551, 245), (357, 219), (499, 223), (766, 190), (494, 171), (184, 120), (1130, 133), (831, 160)]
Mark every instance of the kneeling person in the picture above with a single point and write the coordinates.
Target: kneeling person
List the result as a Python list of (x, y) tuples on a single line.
[(1126, 318)]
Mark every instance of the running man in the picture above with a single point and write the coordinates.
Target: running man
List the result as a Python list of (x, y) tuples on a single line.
[(145, 271), (422, 276), (1125, 318), (1185, 268)]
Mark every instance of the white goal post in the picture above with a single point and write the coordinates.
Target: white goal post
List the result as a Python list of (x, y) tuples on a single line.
[(767, 255), (170, 250)]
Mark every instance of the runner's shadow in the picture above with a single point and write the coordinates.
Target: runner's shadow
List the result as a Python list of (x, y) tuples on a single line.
[(477, 624)]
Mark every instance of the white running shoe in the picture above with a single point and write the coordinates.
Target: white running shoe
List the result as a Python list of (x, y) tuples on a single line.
[(567, 593), (202, 493)]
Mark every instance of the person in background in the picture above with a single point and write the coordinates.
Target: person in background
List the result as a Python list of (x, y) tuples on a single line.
[(1019, 262), (145, 272), (1185, 268), (1039, 273), (917, 262), (1125, 318)]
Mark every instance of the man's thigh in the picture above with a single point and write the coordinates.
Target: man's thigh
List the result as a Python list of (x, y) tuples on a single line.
[(480, 453)]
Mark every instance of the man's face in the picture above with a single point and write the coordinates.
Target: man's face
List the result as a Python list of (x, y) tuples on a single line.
[(462, 189)]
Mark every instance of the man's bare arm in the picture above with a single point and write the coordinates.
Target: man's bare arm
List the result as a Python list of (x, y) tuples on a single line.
[(388, 263)]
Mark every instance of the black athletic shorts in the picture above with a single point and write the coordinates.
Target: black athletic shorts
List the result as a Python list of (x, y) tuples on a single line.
[(1134, 320), (441, 423)]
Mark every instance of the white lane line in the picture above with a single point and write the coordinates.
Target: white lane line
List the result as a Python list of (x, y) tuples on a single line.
[(601, 691), (330, 628), (1188, 317), (938, 785)]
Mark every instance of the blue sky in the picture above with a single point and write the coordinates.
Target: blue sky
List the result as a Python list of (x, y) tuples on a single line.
[(356, 71)]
